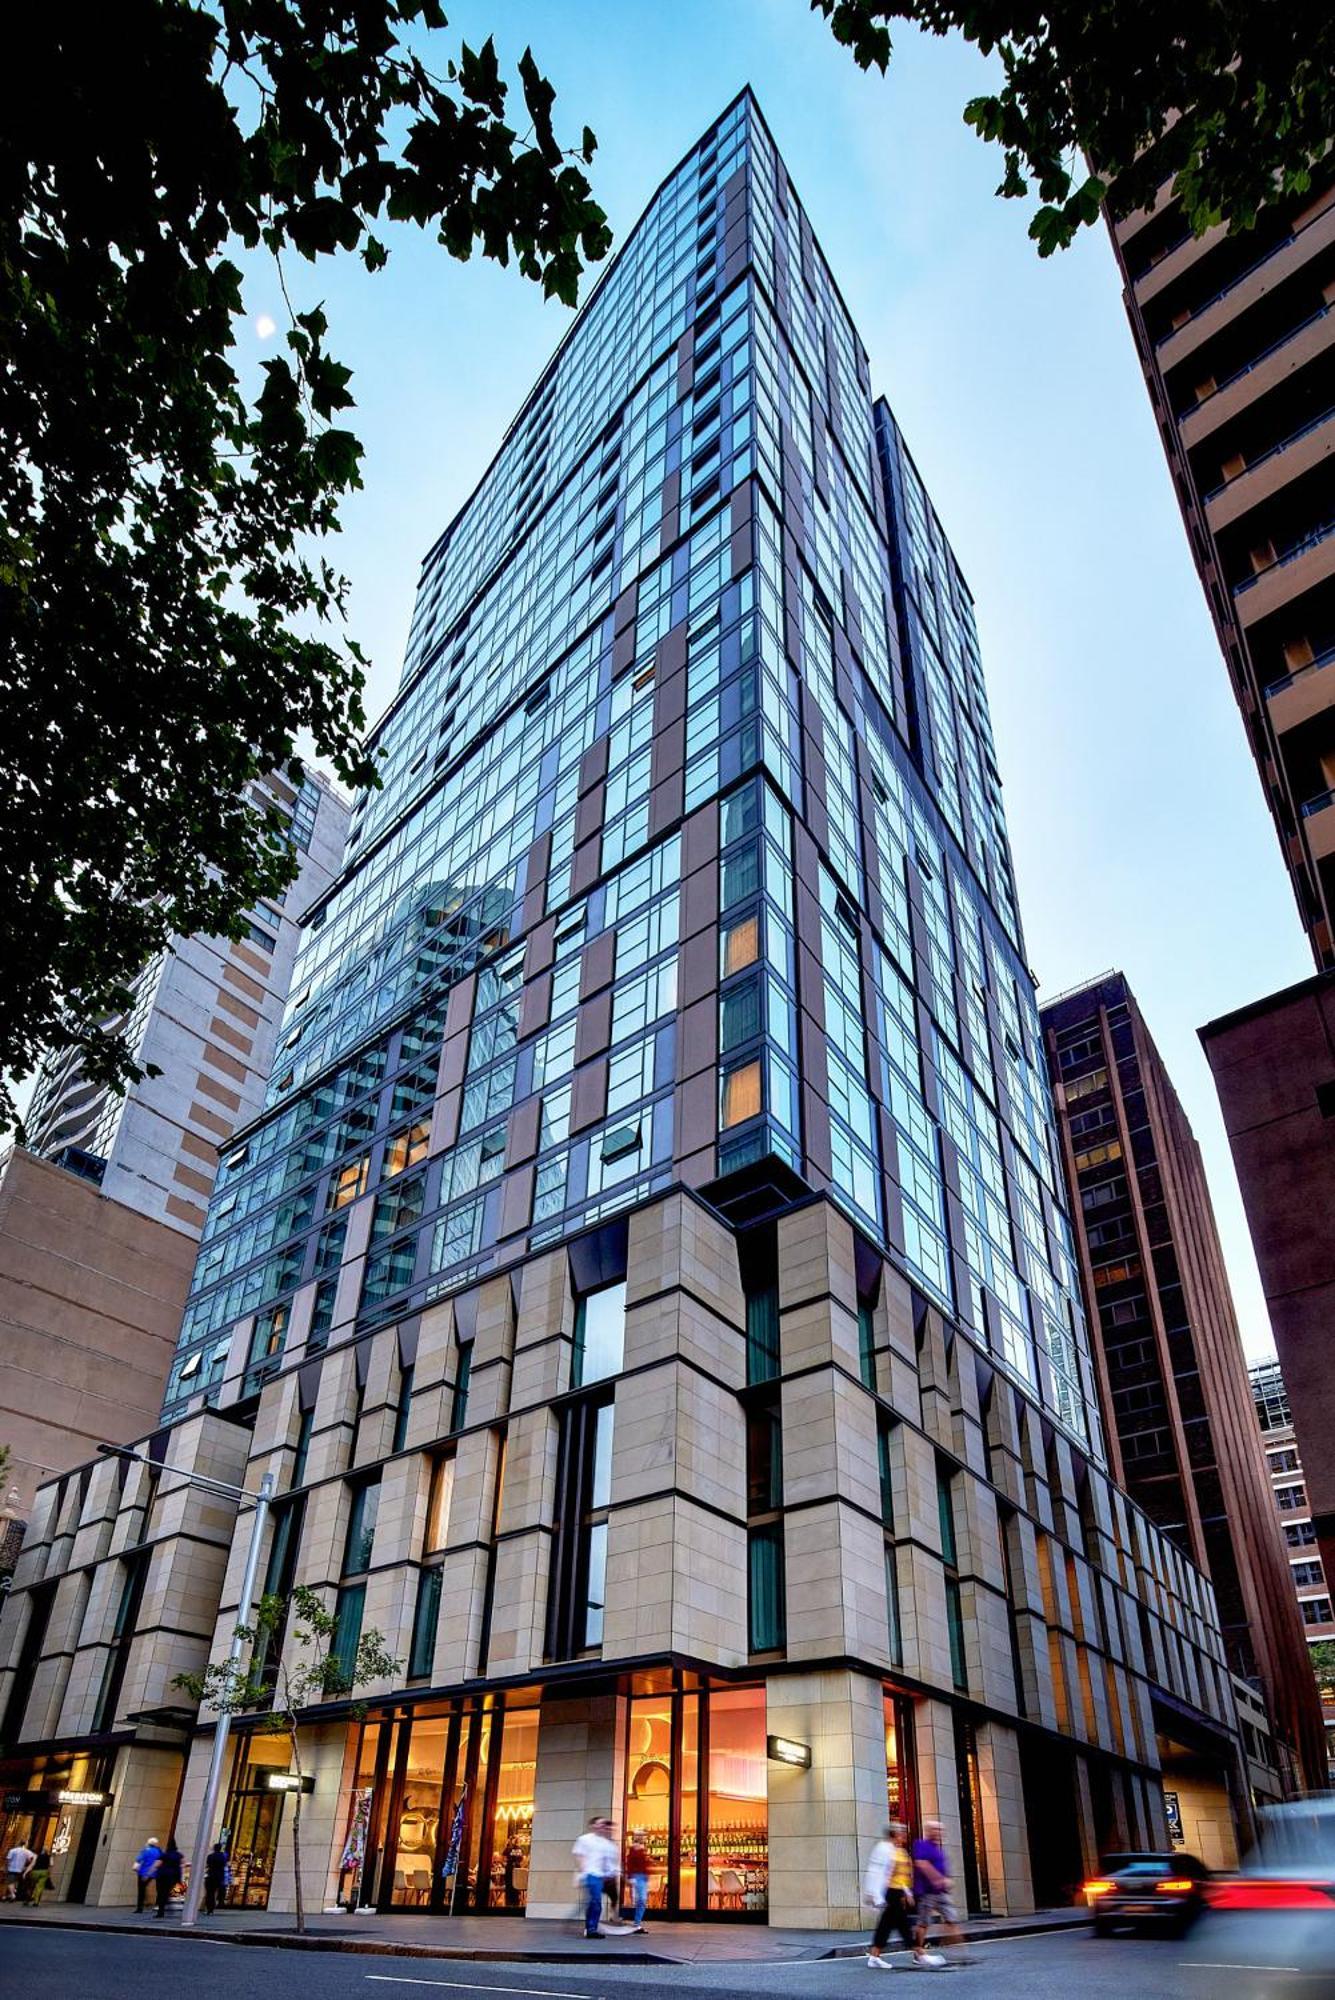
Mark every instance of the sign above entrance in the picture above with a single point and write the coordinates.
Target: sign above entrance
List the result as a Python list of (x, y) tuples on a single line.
[(288, 1781), (783, 1750), (83, 1798)]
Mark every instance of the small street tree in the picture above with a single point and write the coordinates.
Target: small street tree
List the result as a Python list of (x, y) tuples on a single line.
[(290, 1666)]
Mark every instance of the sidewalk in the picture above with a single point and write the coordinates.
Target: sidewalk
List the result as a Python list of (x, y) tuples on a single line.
[(541, 1941)]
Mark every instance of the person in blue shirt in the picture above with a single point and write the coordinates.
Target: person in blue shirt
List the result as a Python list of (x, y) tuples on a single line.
[(146, 1864)]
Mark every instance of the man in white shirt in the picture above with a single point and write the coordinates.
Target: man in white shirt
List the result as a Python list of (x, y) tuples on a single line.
[(17, 1863), (596, 1859)]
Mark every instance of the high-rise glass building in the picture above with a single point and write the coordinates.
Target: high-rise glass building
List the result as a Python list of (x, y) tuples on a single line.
[(649, 1281)]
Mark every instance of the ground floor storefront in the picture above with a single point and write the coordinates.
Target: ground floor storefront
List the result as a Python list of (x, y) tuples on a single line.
[(756, 1799)]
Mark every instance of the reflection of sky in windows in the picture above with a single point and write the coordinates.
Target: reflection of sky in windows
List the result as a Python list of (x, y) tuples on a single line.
[(508, 680)]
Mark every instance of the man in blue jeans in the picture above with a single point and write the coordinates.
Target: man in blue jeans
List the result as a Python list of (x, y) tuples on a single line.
[(596, 1860)]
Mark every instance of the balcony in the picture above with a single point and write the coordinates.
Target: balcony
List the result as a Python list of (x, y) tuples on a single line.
[(1297, 697), (1318, 816), (1286, 460), (1298, 568), (1284, 357), (1279, 263)]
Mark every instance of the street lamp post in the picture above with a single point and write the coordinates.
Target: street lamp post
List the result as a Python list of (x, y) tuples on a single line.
[(222, 1729)]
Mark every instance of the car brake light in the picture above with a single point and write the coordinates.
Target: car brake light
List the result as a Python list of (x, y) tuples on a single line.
[(1099, 1888), (1175, 1886)]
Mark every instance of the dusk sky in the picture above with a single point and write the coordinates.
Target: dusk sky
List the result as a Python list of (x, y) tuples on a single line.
[(1140, 834)]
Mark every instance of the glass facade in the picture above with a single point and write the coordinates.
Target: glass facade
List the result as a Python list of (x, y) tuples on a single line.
[(701, 574)]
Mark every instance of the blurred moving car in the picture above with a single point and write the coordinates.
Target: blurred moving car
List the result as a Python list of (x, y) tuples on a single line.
[(1147, 1892), (1276, 1917)]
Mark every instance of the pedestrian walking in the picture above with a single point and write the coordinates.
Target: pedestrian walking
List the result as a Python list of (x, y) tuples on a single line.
[(146, 1864), (596, 1861), (932, 1886), (38, 1877), (171, 1869), (888, 1887), (637, 1877), (17, 1863), (216, 1873)]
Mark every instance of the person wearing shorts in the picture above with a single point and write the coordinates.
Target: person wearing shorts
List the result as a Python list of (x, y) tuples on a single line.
[(932, 1886)]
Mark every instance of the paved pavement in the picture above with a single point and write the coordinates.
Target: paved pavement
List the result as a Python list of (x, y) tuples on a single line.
[(506, 1939), (43, 1960)]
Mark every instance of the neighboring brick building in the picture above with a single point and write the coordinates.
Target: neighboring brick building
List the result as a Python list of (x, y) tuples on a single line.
[(650, 1281), (1236, 335), (1294, 1509), (1180, 1421)]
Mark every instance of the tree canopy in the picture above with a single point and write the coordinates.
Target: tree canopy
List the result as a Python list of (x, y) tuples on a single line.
[(1229, 100), (169, 622)]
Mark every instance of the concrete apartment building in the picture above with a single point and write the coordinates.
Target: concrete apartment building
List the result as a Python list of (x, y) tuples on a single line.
[(649, 1281), (1237, 339), (1294, 1511), (1176, 1395), (100, 1219)]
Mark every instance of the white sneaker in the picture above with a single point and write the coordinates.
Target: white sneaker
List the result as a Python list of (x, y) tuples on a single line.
[(880, 1964), (931, 1961)]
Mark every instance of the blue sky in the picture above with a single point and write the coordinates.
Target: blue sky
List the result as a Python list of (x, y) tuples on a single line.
[(1140, 834)]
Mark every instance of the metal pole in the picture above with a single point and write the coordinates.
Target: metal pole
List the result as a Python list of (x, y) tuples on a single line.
[(213, 1784)]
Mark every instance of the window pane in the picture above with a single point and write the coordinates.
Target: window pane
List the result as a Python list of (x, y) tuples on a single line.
[(361, 1528), (740, 1013), (741, 944), (600, 1493), (438, 1505), (737, 1859), (421, 1804), (762, 1334), (597, 1593), (424, 1623), (867, 1342), (764, 1461), (459, 1401), (766, 1614), (600, 1336), (348, 1629), (741, 1095), (955, 1623), (512, 1829)]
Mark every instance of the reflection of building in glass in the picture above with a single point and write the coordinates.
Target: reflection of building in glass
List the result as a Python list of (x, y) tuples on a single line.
[(649, 1279), (1294, 1509)]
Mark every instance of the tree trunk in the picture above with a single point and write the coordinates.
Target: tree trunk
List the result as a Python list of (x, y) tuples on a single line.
[(296, 1827)]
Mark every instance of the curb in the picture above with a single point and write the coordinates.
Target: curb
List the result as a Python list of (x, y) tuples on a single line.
[(482, 1955), (366, 1947)]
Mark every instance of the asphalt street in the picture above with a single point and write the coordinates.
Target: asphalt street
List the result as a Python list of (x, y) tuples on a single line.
[(65, 1965)]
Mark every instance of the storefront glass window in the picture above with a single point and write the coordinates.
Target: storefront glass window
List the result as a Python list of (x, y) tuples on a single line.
[(419, 1813), (356, 1865), (738, 1829), (512, 1821), (688, 1889), (900, 1794), (648, 1814), (253, 1817)]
